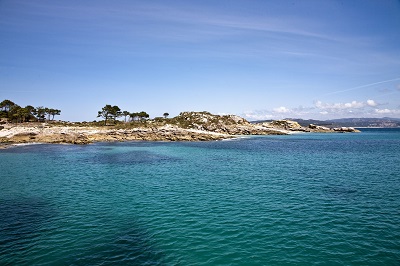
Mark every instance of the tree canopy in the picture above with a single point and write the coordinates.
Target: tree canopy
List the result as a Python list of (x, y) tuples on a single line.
[(15, 113), (6, 105), (125, 114), (139, 116), (109, 112), (143, 115)]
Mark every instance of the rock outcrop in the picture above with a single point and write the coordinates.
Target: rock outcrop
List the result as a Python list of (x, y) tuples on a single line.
[(346, 129), (225, 124), (315, 128), (83, 135), (187, 126), (284, 124), (295, 126)]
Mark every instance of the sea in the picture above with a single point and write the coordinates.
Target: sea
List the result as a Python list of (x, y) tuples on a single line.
[(301, 199)]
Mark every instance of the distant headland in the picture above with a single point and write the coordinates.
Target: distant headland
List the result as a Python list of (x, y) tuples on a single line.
[(37, 125)]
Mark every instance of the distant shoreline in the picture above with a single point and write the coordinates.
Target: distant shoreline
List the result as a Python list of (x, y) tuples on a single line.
[(379, 127)]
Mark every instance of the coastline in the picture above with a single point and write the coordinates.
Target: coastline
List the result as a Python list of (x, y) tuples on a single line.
[(15, 135), (188, 126), (21, 134)]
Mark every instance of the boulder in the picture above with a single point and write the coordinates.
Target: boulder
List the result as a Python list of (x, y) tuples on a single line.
[(284, 124), (315, 128), (346, 129)]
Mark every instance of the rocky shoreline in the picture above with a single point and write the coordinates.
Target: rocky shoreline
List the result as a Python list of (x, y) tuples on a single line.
[(188, 126), (85, 135), (294, 126)]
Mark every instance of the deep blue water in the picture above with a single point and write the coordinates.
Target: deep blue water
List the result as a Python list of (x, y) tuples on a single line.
[(307, 199)]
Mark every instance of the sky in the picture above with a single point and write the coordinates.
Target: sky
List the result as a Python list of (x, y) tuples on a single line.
[(310, 59)]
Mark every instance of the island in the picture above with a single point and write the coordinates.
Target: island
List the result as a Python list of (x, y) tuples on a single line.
[(187, 126)]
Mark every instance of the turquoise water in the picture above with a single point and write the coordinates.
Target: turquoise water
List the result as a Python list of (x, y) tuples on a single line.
[(307, 199)]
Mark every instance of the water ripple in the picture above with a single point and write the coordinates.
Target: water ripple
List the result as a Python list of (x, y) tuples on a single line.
[(256, 201)]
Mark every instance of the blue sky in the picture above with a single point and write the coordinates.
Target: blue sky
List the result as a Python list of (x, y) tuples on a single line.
[(258, 59)]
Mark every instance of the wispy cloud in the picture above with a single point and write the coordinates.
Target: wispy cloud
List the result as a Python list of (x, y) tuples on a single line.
[(281, 109), (387, 111), (354, 109), (185, 23), (256, 48), (348, 105), (322, 110), (257, 115), (279, 113), (130, 28), (362, 86)]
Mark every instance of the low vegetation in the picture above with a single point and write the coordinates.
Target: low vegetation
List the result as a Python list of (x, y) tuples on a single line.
[(205, 120)]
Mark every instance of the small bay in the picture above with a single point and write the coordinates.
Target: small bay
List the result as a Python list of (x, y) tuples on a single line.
[(303, 199)]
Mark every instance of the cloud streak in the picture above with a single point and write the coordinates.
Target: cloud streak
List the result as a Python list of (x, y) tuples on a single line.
[(362, 86)]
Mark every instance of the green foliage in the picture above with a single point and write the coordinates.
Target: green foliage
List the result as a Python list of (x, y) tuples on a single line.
[(3, 114), (40, 113), (54, 112), (143, 115), (125, 114), (50, 112), (134, 116), (204, 120), (109, 112), (18, 114), (15, 114), (6, 105), (139, 116)]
